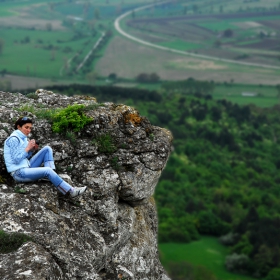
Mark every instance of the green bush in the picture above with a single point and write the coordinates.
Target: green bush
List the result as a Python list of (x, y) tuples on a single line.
[(115, 164), (41, 112), (181, 229), (10, 242), (105, 143), (32, 95), (71, 118), (209, 223), (274, 274), (2, 180), (184, 270), (71, 137)]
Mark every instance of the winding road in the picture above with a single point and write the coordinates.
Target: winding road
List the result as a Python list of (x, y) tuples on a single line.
[(125, 34)]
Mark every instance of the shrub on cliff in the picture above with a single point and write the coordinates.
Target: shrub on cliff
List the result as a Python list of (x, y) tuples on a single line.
[(71, 118), (10, 242)]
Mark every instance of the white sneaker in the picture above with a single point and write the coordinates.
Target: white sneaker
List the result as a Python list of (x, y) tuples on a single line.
[(77, 191)]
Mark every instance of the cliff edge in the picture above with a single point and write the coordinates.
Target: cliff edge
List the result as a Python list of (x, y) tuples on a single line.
[(111, 231)]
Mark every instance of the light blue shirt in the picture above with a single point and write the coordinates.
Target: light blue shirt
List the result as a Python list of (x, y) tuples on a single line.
[(15, 155)]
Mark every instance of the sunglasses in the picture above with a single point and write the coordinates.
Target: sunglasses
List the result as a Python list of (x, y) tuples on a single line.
[(25, 119)]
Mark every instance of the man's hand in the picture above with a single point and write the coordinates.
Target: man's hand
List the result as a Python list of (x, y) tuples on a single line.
[(30, 146)]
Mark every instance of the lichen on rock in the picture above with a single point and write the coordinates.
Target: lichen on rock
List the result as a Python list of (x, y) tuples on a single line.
[(111, 231)]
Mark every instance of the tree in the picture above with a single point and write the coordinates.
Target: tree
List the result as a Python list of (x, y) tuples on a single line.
[(48, 26), (148, 78), (91, 25), (133, 14), (3, 72), (154, 77), (195, 8), (273, 274), (262, 34), (91, 77), (112, 76), (86, 8), (237, 263), (264, 260), (96, 13), (142, 78), (209, 223), (53, 52), (228, 33), (51, 6)]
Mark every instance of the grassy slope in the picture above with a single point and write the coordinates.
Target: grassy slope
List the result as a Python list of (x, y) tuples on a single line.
[(38, 57), (267, 95), (17, 57), (10, 8), (207, 252)]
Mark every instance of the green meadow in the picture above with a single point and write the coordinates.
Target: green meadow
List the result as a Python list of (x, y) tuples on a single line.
[(207, 252), (48, 58), (181, 45), (41, 53), (11, 8), (266, 96)]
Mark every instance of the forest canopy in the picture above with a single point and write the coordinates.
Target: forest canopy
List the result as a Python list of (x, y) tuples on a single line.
[(222, 178)]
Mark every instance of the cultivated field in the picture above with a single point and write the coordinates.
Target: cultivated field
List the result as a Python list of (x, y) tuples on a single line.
[(49, 39), (133, 59), (251, 36)]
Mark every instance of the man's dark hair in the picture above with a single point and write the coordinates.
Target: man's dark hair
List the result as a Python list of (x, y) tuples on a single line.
[(21, 121)]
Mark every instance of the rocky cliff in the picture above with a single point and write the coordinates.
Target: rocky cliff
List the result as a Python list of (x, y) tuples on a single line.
[(111, 231)]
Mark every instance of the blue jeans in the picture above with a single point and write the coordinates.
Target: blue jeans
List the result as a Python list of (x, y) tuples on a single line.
[(35, 172)]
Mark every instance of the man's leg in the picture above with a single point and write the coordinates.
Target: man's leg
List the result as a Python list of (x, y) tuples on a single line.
[(32, 174), (45, 155)]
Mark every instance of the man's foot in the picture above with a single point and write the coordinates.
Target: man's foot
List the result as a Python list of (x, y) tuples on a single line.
[(77, 191)]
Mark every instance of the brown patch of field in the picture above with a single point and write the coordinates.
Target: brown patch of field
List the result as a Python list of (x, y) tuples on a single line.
[(265, 44), (196, 64), (22, 82), (182, 29), (30, 23), (129, 59), (247, 24), (26, 18), (274, 24), (152, 38), (186, 28), (223, 52), (210, 17)]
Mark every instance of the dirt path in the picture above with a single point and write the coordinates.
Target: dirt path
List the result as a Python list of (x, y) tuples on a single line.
[(122, 32)]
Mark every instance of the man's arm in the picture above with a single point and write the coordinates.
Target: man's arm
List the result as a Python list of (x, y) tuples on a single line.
[(17, 154)]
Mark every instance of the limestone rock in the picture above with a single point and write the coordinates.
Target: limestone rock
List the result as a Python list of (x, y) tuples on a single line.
[(111, 231)]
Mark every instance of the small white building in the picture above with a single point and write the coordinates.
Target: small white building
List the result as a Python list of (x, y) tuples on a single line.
[(249, 94)]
